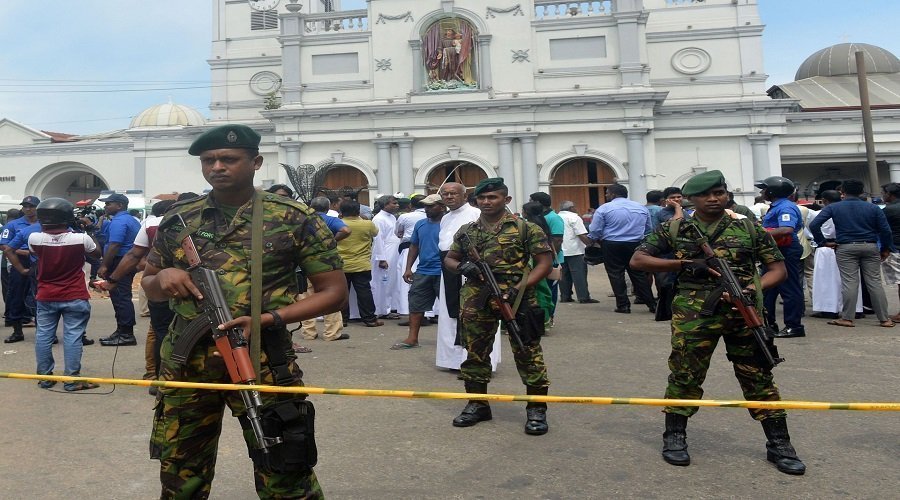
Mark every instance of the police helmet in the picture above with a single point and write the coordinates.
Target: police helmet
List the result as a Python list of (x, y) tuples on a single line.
[(55, 211), (777, 186)]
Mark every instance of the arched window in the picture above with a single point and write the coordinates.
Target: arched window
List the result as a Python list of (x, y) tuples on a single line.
[(449, 55)]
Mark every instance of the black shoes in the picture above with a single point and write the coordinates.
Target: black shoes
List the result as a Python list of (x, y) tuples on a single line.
[(119, 339), (790, 331), (675, 440), (567, 300), (536, 421), (86, 341), (623, 310), (588, 301), (779, 450), (826, 315), (474, 412), (14, 337), (343, 336)]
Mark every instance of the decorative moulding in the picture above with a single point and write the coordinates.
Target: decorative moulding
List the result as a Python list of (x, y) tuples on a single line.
[(691, 61), (520, 55), (383, 65), (447, 6), (453, 152), (515, 9), (579, 148), (338, 156), (264, 83), (406, 17)]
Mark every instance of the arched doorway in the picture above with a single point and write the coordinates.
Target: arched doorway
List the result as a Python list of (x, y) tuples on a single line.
[(74, 186), (463, 172), (341, 178), (582, 181)]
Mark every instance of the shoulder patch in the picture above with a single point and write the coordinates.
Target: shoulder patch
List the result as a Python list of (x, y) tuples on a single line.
[(786, 217)]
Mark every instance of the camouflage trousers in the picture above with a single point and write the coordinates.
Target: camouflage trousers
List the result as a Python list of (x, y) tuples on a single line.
[(694, 339), (479, 319), (188, 423)]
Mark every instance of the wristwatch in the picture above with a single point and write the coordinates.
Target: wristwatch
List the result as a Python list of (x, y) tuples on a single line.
[(277, 320)]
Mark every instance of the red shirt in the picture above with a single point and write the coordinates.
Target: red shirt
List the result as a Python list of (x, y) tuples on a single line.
[(60, 264)]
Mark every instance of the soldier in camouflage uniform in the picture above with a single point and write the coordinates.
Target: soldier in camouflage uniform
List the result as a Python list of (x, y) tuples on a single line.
[(188, 422), (508, 245), (743, 244)]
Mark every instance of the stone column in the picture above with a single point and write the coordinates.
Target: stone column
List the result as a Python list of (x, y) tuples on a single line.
[(759, 144), (383, 170), (505, 167), (529, 163), (418, 66), (405, 159), (140, 174), (485, 81), (637, 180), (894, 169), (291, 152), (630, 17), (291, 33)]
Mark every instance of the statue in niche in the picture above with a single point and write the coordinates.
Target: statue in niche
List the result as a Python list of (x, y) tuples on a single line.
[(449, 49)]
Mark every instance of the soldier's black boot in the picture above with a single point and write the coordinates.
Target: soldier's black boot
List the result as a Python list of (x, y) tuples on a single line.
[(779, 449), (16, 335), (124, 337), (477, 410), (536, 413), (112, 337), (675, 440)]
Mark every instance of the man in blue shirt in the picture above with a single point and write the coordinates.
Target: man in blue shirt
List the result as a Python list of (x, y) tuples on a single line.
[(17, 314), (859, 226), (425, 282), (118, 238), (783, 221), (620, 224), (11, 215)]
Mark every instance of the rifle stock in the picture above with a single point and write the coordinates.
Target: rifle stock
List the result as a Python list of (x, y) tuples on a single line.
[(506, 312), (231, 343), (731, 285)]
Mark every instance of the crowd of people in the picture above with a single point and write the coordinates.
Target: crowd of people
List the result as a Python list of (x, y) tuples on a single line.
[(461, 258)]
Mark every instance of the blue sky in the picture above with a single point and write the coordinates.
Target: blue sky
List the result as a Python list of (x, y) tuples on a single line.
[(85, 66)]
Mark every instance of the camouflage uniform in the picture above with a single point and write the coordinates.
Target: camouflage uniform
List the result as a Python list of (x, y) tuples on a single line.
[(479, 317), (186, 430), (694, 337)]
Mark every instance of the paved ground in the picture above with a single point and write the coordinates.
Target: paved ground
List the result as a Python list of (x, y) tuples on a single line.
[(65, 446)]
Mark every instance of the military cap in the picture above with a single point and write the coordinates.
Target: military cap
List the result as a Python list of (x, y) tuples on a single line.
[(116, 198), (234, 136), (703, 182), (31, 200), (432, 199), (490, 184)]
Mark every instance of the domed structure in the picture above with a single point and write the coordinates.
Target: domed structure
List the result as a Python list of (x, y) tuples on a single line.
[(168, 115), (840, 59)]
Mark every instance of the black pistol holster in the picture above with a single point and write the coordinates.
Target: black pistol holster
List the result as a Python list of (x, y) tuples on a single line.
[(531, 321), (291, 419)]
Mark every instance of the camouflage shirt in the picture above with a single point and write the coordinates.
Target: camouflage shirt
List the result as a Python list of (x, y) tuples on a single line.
[(502, 248), (742, 249), (293, 236)]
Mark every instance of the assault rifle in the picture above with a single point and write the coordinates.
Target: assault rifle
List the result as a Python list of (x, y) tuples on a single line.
[(509, 317), (231, 343), (767, 352)]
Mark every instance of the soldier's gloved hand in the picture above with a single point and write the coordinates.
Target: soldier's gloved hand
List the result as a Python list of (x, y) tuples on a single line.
[(510, 295), (697, 268), (469, 270)]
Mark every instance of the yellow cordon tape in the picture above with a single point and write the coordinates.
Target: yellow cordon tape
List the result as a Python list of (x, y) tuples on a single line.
[(766, 405)]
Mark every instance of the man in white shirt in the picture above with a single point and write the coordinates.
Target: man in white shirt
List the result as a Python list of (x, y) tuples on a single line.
[(574, 269), (384, 259), (403, 230), (449, 355)]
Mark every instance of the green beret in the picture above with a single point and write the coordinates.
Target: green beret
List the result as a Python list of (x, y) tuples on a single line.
[(490, 184), (225, 137), (701, 183)]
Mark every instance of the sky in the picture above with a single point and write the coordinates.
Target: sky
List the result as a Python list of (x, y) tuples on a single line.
[(89, 66)]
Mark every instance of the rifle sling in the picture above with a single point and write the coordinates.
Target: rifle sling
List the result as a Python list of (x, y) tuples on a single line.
[(256, 253), (525, 272)]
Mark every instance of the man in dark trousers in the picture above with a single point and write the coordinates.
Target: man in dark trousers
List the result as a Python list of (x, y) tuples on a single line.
[(619, 225), (118, 238), (19, 284)]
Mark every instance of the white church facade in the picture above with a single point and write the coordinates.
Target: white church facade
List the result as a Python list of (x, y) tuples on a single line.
[(562, 97)]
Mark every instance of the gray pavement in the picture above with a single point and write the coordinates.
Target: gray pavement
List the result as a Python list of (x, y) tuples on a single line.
[(68, 446)]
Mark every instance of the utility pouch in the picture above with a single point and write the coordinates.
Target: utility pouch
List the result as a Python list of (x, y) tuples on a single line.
[(158, 433), (292, 421), (302, 285), (531, 322)]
